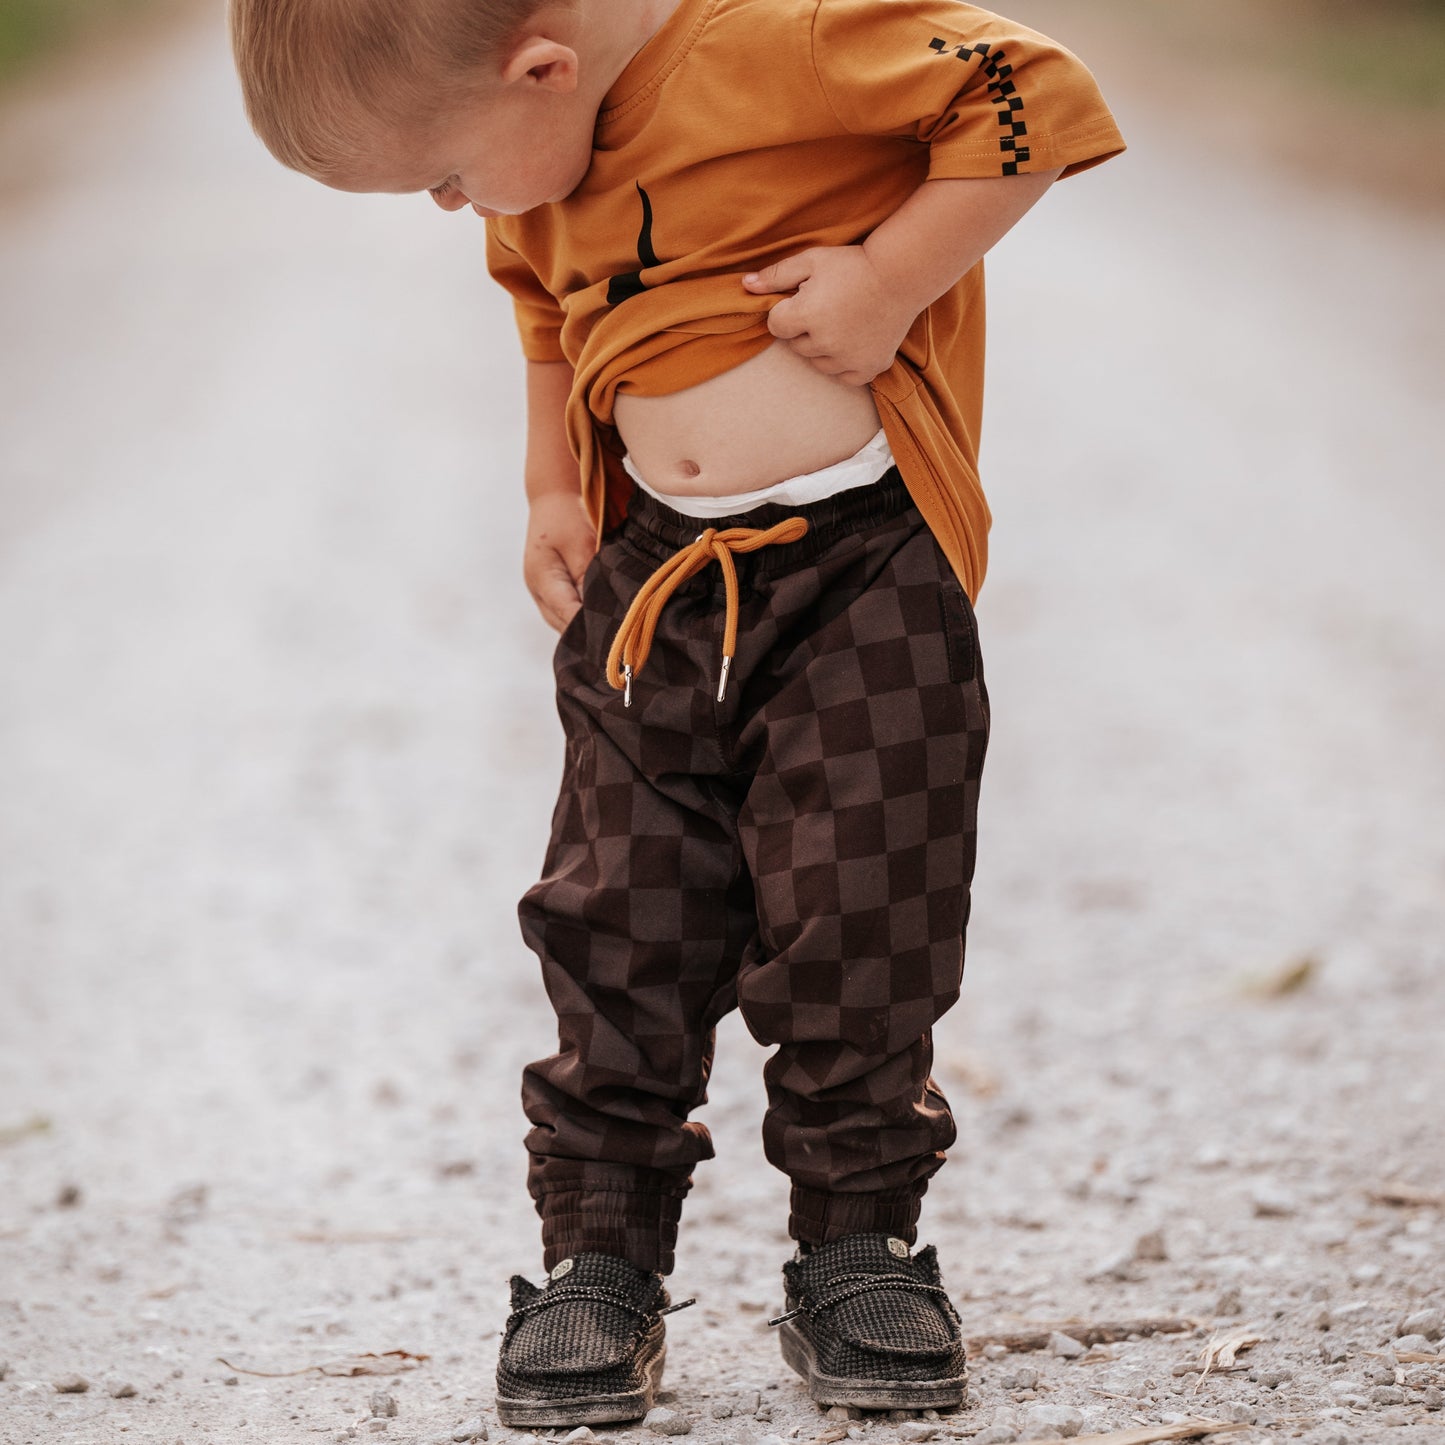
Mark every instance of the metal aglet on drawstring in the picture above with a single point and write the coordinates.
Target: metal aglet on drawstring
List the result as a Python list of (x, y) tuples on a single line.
[(626, 687), (680, 1305), (784, 1318), (722, 686)]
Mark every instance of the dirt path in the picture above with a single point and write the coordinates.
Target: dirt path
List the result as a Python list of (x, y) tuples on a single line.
[(277, 755)]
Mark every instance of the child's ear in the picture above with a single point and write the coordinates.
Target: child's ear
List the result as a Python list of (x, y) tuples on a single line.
[(542, 62)]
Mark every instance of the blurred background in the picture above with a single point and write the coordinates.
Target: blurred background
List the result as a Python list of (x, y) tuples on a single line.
[(277, 749)]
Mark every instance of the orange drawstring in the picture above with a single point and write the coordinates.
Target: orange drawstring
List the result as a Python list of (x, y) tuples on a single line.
[(634, 638)]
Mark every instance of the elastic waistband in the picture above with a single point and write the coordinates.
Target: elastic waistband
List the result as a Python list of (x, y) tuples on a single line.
[(656, 532)]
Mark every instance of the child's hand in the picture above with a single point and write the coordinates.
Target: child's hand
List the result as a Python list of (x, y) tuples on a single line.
[(561, 541), (843, 317)]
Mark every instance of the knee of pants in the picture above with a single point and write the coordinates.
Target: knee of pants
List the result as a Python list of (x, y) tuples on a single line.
[(864, 1009)]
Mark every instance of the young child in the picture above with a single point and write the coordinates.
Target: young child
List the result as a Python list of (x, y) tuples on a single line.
[(744, 240)]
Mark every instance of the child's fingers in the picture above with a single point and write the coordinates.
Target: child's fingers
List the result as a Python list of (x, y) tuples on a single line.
[(786, 275), (786, 321), (555, 593)]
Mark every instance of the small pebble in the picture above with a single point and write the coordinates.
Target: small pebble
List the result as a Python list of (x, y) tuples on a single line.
[(1231, 1302), (723, 1410), (120, 1390), (1430, 1323), (662, 1421), (854, 1433), (1334, 1352), (377, 1424), (71, 1385), (1149, 1248), (996, 1435), (1418, 1343), (1236, 1411), (230, 1380), (1273, 1379), (1065, 1346), (474, 1428), (1118, 1266), (1045, 1422), (916, 1431), (383, 1405), (1395, 1418), (844, 1412), (1021, 1377), (580, 1433), (68, 1196), (1432, 1398), (1272, 1202), (1387, 1395)]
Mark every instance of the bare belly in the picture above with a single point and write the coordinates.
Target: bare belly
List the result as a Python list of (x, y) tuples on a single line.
[(771, 418)]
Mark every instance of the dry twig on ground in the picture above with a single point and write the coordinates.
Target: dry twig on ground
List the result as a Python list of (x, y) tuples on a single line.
[(1023, 1341)]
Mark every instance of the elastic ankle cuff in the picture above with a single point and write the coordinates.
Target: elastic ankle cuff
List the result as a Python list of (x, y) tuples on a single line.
[(639, 1226), (819, 1218)]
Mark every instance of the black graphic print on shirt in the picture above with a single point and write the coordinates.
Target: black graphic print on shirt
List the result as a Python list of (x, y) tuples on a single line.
[(1013, 139), (619, 288)]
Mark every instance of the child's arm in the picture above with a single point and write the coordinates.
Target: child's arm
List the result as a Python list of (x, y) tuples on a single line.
[(561, 540), (853, 305)]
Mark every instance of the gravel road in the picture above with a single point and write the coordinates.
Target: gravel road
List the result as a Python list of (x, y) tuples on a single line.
[(277, 755)]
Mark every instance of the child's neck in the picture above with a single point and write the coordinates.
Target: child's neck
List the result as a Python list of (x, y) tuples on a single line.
[(609, 33)]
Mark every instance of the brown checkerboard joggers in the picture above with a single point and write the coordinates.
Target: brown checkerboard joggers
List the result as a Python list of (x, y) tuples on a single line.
[(801, 851)]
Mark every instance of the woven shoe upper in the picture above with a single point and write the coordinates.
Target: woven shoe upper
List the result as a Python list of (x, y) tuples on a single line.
[(871, 1310), (589, 1329)]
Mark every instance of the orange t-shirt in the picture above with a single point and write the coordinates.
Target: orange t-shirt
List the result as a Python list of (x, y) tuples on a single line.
[(746, 131)]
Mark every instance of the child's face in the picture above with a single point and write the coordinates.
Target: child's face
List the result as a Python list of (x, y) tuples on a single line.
[(505, 156), (523, 139)]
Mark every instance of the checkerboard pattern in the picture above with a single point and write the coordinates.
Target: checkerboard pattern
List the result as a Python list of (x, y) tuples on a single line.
[(801, 851), (1002, 93)]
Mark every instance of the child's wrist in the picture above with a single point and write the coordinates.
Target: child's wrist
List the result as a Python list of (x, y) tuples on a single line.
[(898, 279)]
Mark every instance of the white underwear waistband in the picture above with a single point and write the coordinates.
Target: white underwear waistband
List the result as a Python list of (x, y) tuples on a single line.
[(862, 469)]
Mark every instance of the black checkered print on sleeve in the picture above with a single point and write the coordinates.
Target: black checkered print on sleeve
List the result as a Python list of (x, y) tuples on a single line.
[(1013, 128), (802, 851)]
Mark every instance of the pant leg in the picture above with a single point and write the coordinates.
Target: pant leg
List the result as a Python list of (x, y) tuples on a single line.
[(859, 831), (639, 919)]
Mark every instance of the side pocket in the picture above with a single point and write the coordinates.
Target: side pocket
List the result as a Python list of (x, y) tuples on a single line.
[(961, 632), (965, 660)]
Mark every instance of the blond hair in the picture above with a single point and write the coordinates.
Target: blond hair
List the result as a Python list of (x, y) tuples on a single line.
[(321, 78)]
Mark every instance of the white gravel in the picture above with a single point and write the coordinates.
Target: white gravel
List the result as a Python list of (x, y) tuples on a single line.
[(277, 756)]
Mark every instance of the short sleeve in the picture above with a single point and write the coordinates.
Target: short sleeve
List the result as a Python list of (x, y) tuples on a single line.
[(988, 96), (539, 317)]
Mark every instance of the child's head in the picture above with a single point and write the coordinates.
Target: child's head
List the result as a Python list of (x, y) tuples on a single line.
[(474, 100)]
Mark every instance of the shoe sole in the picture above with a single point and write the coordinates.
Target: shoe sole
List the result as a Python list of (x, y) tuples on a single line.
[(587, 1409), (866, 1394)]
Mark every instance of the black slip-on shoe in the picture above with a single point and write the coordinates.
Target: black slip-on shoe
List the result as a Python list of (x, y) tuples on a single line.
[(587, 1349), (866, 1322)]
